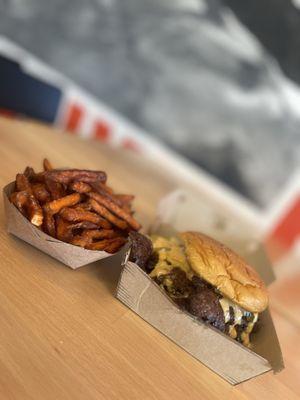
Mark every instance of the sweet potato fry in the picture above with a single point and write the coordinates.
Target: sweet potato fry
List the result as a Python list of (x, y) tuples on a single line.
[(80, 187), (26, 202), (109, 245), (103, 212), (22, 183), (70, 175), (29, 173), (19, 199), (127, 209), (47, 165), (84, 225), (73, 215), (34, 211), (115, 209), (100, 245), (55, 189), (100, 234), (85, 206), (38, 177), (124, 198), (65, 229), (102, 189), (115, 245), (49, 223), (81, 241), (40, 192), (56, 205)]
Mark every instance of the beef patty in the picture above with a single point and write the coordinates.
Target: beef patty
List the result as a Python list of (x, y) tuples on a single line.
[(196, 296), (141, 249), (205, 305)]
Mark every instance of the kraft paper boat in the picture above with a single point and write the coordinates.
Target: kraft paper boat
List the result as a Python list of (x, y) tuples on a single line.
[(225, 356), (70, 255)]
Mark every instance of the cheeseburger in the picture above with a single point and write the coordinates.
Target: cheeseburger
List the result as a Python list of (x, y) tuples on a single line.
[(205, 278)]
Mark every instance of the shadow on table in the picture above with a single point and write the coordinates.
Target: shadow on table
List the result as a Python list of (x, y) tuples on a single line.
[(109, 270)]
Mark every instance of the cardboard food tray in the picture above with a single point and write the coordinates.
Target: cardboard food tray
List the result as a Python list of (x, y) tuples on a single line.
[(72, 256), (225, 356)]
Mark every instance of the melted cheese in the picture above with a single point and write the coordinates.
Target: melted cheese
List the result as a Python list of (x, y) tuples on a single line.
[(232, 332), (245, 339), (238, 314), (170, 255)]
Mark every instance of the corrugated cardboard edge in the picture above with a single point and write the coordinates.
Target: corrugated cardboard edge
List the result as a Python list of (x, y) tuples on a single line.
[(70, 255), (138, 292)]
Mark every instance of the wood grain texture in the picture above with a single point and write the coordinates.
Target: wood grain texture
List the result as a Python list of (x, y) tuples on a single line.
[(64, 336)]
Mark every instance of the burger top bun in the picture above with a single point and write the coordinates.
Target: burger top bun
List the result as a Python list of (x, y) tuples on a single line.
[(224, 269)]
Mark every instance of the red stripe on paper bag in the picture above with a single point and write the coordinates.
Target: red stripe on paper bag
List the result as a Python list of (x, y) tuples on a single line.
[(102, 130), (286, 231), (74, 116), (131, 144)]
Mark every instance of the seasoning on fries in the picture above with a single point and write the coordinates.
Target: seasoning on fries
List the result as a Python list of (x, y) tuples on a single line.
[(75, 206)]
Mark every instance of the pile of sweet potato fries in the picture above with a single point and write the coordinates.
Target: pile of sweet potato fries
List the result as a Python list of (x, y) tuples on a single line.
[(75, 206)]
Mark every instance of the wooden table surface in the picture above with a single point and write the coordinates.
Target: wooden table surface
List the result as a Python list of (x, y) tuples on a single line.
[(63, 335)]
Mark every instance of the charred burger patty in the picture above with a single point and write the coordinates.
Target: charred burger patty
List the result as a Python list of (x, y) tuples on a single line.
[(201, 299)]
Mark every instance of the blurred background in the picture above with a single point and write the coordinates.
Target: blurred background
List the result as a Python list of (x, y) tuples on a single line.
[(215, 81), (211, 88)]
